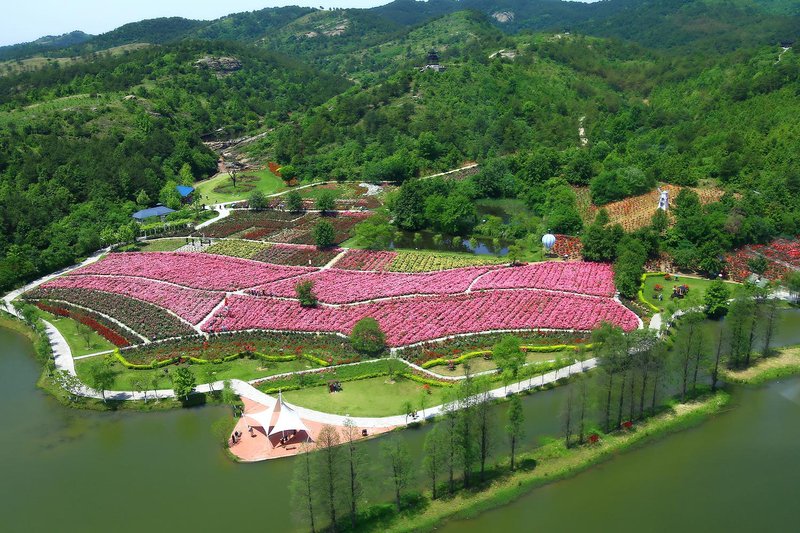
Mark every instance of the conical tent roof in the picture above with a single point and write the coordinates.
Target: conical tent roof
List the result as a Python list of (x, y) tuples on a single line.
[(288, 420), (263, 418)]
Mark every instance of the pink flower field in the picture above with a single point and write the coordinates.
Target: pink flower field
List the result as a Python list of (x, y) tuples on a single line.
[(410, 307), (579, 277), (348, 286), (410, 320), (199, 271), (366, 260), (190, 304)]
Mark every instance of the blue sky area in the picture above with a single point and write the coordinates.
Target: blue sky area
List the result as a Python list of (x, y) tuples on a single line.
[(27, 21)]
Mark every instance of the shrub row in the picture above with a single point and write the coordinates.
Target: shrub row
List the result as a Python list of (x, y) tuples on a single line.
[(640, 293), (537, 349)]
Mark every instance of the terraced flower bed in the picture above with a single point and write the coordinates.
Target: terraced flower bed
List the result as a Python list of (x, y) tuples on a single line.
[(637, 211), (296, 254), (366, 260), (105, 328), (190, 304), (579, 277), (325, 349), (782, 255), (241, 220), (200, 271), (146, 319), (410, 320), (237, 248), (347, 286), (454, 348)]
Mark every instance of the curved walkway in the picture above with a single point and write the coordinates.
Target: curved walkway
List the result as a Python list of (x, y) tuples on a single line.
[(65, 362)]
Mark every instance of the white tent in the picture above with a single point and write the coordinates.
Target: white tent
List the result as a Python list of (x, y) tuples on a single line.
[(288, 420), (262, 418)]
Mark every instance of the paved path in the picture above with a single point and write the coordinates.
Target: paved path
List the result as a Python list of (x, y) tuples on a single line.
[(65, 362), (8, 298)]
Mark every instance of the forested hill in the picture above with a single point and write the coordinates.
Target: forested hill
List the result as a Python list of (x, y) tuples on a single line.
[(78, 144), (687, 92), (688, 25)]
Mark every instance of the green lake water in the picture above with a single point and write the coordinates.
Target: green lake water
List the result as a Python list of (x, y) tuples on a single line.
[(70, 470)]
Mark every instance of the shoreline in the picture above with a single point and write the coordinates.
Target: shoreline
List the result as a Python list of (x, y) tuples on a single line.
[(554, 463), (785, 363)]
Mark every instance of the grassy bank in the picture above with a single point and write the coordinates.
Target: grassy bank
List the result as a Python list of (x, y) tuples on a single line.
[(554, 462), (9, 322), (785, 363)]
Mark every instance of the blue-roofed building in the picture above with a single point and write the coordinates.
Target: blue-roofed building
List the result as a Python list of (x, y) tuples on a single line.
[(157, 211), (186, 193)]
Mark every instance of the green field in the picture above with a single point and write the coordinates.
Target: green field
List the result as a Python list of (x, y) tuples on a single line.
[(697, 288), (479, 364), (244, 369), (367, 397), (220, 188), (77, 343), (163, 245)]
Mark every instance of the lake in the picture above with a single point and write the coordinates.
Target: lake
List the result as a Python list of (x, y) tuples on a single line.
[(72, 470)]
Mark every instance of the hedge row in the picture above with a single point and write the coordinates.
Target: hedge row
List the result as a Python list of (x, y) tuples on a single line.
[(552, 348), (233, 357), (640, 294)]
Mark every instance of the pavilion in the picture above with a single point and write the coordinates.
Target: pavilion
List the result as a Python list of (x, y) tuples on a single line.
[(279, 422)]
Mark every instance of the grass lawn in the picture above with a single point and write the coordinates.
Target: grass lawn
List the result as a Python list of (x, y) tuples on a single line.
[(220, 188), (366, 397), (77, 343), (697, 287), (479, 364), (163, 245), (244, 369)]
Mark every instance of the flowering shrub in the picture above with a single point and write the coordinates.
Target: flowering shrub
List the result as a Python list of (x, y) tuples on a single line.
[(410, 320), (190, 304), (201, 271)]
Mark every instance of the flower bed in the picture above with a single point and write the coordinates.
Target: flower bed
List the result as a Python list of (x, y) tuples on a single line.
[(242, 220), (637, 211), (322, 350), (296, 254), (410, 320), (347, 286), (200, 271), (111, 332), (190, 304), (454, 348), (567, 245), (146, 319), (237, 248), (366, 260), (579, 277), (429, 262)]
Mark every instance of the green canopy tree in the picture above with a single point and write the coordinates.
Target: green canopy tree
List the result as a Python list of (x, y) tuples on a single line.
[(367, 336), (183, 382)]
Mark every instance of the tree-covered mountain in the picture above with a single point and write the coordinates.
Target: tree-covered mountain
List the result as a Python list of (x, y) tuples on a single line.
[(43, 44), (688, 92), (79, 144)]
